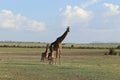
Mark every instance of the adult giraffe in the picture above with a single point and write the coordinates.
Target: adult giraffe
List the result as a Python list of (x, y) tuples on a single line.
[(57, 46)]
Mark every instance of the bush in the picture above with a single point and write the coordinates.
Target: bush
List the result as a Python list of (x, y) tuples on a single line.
[(118, 47), (72, 46), (112, 52)]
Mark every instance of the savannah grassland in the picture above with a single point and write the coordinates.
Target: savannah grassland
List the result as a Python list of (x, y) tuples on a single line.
[(77, 64)]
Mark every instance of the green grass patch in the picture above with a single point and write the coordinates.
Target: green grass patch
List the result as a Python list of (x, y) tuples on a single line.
[(75, 66)]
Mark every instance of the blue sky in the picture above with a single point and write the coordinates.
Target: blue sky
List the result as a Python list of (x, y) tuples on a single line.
[(45, 20)]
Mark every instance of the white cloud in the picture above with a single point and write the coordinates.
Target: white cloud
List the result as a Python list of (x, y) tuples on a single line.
[(75, 15), (89, 2), (112, 9), (9, 20)]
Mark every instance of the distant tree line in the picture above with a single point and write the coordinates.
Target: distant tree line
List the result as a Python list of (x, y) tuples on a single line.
[(15, 44), (89, 47)]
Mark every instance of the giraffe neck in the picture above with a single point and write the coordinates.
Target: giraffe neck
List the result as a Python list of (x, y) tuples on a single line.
[(61, 38)]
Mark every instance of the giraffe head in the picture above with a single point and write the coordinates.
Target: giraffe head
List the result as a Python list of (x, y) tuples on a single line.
[(68, 29)]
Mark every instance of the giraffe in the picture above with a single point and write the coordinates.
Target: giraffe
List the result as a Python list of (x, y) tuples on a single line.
[(57, 46), (44, 55)]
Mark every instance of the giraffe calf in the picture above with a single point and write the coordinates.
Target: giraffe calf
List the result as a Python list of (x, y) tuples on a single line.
[(43, 56), (50, 58)]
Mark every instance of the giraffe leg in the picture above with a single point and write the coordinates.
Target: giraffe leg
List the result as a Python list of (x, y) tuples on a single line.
[(50, 57), (56, 57), (59, 56)]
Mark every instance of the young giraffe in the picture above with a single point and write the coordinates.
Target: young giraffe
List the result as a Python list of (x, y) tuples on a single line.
[(44, 55), (57, 46)]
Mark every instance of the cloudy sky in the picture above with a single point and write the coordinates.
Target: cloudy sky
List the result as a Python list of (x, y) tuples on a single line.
[(45, 20)]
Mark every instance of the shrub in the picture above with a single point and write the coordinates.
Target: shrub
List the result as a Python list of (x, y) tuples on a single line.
[(118, 47), (72, 46), (112, 52)]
